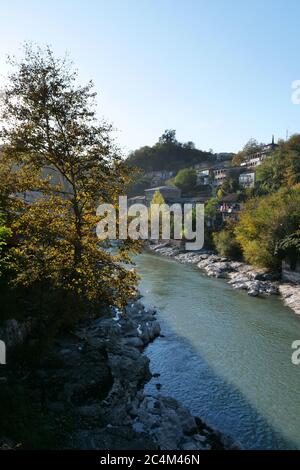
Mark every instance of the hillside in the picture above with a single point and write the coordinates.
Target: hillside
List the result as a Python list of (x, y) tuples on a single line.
[(168, 154)]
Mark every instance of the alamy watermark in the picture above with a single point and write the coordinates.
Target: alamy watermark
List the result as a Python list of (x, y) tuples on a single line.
[(156, 222), (295, 358), (2, 353)]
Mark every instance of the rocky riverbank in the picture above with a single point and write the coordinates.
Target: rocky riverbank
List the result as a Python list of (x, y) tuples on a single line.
[(93, 378), (257, 282)]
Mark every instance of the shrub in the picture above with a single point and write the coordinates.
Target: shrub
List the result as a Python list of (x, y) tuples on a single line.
[(226, 244), (264, 222), (186, 179)]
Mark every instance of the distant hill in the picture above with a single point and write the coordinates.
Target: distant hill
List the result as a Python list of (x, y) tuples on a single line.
[(168, 154)]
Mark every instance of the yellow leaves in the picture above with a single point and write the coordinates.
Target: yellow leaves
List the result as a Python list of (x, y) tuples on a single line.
[(264, 222), (63, 164)]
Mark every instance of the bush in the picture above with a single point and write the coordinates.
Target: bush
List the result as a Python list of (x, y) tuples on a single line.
[(226, 244), (264, 222), (186, 179)]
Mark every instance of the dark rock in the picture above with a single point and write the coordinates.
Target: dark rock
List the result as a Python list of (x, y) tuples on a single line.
[(95, 376)]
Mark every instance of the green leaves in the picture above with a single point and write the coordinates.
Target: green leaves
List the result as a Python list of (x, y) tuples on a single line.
[(58, 164), (186, 179), (264, 222)]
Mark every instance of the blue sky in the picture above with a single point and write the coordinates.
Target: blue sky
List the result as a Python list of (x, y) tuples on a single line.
[(217, 71)]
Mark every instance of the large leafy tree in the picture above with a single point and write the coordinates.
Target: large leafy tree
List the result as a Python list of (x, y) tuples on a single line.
[(280, 169), (226, 243), (64, 161), (270, 175), (186, 179), (264, 222)]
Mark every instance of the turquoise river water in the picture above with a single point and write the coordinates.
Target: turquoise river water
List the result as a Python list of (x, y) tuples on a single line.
[(225, 355)]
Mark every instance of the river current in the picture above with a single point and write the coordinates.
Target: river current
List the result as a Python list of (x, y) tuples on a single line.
[(225, 355)]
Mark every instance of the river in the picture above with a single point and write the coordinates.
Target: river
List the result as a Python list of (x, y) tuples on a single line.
[(225, 355)]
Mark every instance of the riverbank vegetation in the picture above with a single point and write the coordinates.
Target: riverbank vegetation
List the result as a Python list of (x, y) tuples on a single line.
[(269, 219)]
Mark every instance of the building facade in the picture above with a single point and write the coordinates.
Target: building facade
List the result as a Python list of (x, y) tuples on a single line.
[(247, 180), (257, 158)]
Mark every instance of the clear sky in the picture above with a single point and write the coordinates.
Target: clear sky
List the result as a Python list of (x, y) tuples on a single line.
[(217, 71)]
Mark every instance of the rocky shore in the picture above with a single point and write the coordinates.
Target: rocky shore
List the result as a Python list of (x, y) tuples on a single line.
[(94, 378), (257, 282)]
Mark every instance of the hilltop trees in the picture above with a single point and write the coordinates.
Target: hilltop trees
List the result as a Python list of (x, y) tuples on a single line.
[(56, 151), (167, 154), (168, 137)]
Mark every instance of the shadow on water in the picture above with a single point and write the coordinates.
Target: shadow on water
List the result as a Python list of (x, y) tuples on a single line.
[(224, 355), (186, 376)]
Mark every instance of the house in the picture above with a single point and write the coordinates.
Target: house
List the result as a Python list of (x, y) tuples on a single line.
[(169, 193), (247, 180), (203, 172), (203, 165), (220, 174), (257, 158), (203, 177), (229, 207), (159, 176), (223, 156), (193, 200)]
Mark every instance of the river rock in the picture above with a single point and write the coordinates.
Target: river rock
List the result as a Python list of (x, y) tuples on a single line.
[(96, 375), (257, 282), (291, 296)]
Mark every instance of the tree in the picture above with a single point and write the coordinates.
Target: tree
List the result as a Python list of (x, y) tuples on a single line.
[(168, 154), (54, 146), (226, 243), (289, 247), (168, 137), (230, 185), (157, 212), (213, 220), (157, 198), (186, 179), (269, 175), (264, 222), (282, 168), (138, 186), (5, 234), (289, 152)]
